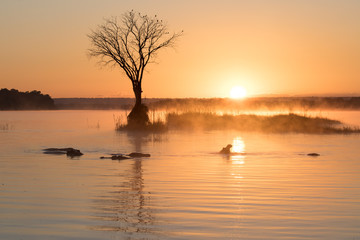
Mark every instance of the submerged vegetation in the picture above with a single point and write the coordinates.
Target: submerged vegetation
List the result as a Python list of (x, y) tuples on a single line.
[(5, 126), (281, 123)]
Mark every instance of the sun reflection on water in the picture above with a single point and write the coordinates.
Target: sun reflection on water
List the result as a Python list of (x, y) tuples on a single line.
[(238, 151), (238, 145), (237, 157)]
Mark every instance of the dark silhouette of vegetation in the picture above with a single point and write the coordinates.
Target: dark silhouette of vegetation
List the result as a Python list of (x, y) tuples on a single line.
[(157, 126), (15, 100), (282, 123), (131, 42)]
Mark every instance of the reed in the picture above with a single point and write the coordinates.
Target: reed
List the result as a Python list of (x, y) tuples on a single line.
[(156, 124), (4, 126), (205, 119), (280, 123)]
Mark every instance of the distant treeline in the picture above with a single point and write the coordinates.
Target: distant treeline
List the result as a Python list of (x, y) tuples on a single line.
[(214, 104), (16, 100), (260, 103), (98, 103)]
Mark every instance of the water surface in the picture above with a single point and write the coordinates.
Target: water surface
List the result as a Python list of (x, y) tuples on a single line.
[(272, 190)]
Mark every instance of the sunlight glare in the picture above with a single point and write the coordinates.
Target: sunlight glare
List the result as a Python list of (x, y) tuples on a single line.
[(238, 92), (238, 145), (238, 149)]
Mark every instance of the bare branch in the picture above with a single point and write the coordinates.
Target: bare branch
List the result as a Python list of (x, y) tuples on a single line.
[(131, 42)]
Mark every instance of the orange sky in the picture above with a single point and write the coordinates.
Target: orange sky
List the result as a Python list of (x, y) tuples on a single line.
[(297, 47)]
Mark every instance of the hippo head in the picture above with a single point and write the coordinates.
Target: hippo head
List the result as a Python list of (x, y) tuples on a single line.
[(228, 147)]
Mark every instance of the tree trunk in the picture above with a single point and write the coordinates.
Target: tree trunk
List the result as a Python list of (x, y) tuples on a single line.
[(137, 92), (138, 117)]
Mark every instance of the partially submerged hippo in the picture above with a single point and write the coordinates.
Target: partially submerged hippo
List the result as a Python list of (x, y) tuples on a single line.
[(313, 154), (116, 157), (137, 155), (127, 156), (226, 150), (71, 152)]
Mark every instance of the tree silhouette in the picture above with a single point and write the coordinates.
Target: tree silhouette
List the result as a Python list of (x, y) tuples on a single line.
[(16, 100), (131, 42)]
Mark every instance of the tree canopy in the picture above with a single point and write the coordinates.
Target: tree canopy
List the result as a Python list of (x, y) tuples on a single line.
[(130, 41)]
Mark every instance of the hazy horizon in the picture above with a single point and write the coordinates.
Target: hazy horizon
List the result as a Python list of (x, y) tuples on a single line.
[(252, 96)]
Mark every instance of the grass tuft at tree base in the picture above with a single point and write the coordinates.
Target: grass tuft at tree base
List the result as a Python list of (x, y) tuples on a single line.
[(138, 120), (150, 127)]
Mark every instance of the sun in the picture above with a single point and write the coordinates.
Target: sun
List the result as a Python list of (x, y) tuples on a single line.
[(238, 92)]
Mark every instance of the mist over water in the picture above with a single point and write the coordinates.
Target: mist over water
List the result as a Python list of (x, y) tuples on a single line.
[(185, 190)]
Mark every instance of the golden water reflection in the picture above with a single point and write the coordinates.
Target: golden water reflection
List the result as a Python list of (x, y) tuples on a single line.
[(269, 190), (237, 158), (125, 206), (238, 145), (238, 150)]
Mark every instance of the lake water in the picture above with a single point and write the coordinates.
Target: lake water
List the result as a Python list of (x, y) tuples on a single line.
[(273, 190)]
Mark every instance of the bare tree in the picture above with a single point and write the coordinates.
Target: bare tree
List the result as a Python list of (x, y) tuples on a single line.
[(131, 42)]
